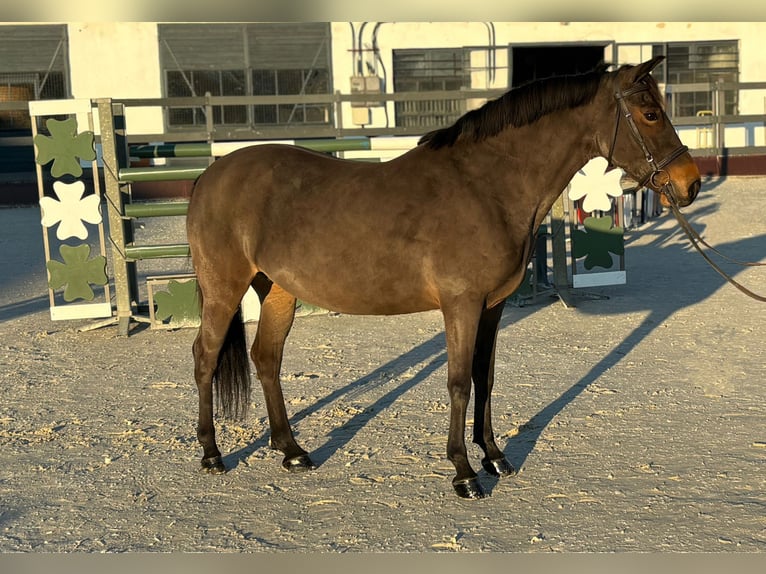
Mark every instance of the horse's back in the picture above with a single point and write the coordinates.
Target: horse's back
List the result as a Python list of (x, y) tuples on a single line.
[(262, 181)]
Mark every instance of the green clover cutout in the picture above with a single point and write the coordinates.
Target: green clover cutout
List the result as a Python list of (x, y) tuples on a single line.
[(64, 146), (179, 302), (77, 272), (599, 239)]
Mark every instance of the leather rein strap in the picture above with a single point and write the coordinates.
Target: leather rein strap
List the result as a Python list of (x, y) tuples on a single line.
[(696, 240)]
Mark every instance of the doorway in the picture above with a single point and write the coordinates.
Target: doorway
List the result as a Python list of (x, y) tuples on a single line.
[(543, 61)]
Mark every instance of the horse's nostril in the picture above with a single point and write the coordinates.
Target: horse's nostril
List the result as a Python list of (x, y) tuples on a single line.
[(694, 189)]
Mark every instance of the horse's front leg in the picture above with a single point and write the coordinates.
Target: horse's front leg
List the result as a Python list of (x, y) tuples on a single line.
[(483, 371), (461, 320)]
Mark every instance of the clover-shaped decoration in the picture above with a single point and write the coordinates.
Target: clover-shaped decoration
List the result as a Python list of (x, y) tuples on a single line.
[(65, 147), (596, 185), (78, 272), (599, 239), (179, 302), (70, 210)]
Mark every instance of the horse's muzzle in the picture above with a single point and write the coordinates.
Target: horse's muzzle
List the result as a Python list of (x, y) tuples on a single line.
[(681, 199)]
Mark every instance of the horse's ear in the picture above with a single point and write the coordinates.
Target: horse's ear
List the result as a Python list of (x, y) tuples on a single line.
[(642, 70)]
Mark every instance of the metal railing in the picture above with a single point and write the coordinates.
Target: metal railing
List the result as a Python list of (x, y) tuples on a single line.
[(714, 123)]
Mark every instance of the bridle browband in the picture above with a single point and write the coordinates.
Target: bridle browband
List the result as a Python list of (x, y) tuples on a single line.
[(665, 187), (658, 167)]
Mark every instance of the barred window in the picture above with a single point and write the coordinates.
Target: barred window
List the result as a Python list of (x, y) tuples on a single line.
[(699, 62), (33, 66), (298, 81), (200, 82), (430, 70), (247, 59)]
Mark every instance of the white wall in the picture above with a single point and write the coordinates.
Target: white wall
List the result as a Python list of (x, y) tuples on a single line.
[(121, 59), (118, 60)]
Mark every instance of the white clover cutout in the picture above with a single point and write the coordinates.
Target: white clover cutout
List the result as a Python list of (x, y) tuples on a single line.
[(596, 185), (70, 210)]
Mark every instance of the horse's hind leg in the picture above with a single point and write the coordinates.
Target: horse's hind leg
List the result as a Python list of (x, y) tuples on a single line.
[(483, 372), (216, 323), (277, 314)]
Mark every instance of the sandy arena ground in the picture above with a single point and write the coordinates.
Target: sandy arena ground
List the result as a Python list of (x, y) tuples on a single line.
[(638, 421)]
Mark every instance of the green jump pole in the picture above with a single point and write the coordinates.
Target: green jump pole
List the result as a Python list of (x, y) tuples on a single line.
[(156, 208), (137, 252), (328, 145), (340, 144), (160, 173), (171, 150)]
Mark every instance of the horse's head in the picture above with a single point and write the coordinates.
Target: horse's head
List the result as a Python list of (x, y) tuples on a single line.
[(643, 142)]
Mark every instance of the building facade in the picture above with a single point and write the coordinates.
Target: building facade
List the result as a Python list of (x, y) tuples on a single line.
[(124, 60)]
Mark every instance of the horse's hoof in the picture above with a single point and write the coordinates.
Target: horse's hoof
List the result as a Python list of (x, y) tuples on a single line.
[(498, 467), (213, 465), (468, 488), (300, 463)]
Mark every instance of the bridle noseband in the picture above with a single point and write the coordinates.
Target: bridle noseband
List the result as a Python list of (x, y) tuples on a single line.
[(655, 178)]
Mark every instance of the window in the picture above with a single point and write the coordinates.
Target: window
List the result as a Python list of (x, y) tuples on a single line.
[(33, 66), (247, 59), (430, 70), (299, 81), (200, 82), (698, 62)]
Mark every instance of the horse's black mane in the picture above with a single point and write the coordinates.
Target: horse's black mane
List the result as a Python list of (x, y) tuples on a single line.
[(520, 106)]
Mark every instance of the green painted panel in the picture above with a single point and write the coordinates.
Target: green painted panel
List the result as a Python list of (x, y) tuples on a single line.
[(77, 272), (64, 147), (600, 238), (178, 305)]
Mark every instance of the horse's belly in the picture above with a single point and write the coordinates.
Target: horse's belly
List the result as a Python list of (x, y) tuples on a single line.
[(358, 293)]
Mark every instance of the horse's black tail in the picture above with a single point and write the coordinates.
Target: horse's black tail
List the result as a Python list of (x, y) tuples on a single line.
[(231, 378)]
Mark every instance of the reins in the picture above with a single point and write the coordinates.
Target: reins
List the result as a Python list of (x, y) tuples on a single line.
[(696, 240)]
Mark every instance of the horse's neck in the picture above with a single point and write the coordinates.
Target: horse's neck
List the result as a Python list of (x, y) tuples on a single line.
[(541, 159)]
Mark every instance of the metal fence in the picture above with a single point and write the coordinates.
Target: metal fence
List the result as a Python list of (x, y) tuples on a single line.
[(710, 125)]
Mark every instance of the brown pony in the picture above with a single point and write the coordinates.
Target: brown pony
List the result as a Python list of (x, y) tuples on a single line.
[(449, 225)]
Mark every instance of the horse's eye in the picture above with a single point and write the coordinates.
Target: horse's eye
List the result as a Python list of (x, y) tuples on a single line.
[(650, 116)]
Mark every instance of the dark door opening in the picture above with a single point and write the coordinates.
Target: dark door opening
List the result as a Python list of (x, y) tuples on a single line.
[(536, 62)]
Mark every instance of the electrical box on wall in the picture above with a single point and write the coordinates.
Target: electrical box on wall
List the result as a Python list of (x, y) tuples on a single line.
[(361, 116), (367, 85)]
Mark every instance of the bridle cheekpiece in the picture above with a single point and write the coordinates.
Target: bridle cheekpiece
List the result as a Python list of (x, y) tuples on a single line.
[(657, 178)]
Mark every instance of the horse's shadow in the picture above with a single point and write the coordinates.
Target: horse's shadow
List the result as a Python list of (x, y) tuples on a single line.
[(432, 350), (673, 256)]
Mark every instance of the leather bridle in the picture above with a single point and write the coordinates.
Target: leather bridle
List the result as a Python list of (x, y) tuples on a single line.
[(657, 178), (664, 185)]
